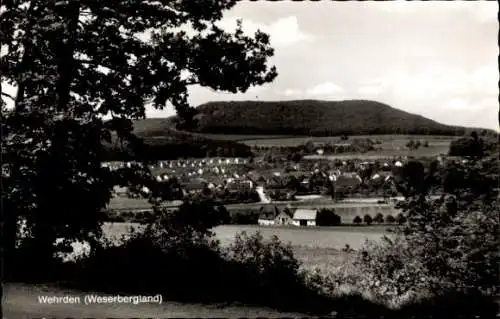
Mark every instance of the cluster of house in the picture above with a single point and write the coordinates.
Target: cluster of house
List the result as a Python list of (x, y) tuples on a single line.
[(193, 163), (197, 175), (301, 217)]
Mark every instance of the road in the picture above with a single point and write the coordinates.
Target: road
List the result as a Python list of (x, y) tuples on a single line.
[(20, 301)]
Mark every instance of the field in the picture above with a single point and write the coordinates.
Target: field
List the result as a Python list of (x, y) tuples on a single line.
[(346, 210), (318, 247), (392, 145), (387, 140)]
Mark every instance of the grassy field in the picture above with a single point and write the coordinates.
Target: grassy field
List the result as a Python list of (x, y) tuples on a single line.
[(318, 247), (314, 247), (307, 238), (244, 137), (347, 210), (388, 141), (431, 151)]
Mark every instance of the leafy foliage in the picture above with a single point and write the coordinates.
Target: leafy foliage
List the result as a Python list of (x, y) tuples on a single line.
[(74, 62), (379, 218), (390, 219), (368, 219), (443, 247), (327, 217), (475, 146), (357, 220)]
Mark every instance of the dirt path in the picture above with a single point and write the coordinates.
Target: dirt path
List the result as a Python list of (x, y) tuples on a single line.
[(21, 301)]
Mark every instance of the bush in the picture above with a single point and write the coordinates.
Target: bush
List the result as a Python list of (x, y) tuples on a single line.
[(245, 218), (436, 255), (368, 219), (379, 218), (400, 219), (390, 219), (189, 265), (327, 217), (357, 220)]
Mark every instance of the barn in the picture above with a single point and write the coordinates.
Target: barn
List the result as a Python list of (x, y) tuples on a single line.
[(305, 217)]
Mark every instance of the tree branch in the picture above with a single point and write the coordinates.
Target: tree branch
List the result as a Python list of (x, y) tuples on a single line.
[(8, 96)]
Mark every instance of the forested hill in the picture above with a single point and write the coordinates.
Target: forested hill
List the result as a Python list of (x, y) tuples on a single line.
[(315, 118)]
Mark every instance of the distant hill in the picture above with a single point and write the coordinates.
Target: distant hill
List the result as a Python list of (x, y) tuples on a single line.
[(311, 117), (283, 118)]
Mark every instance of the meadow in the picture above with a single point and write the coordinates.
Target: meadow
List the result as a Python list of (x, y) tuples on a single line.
[(336, 237), (388, 141), (315, 247)]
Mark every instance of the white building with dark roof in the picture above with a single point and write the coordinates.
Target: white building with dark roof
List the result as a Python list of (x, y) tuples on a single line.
[(305, 217)]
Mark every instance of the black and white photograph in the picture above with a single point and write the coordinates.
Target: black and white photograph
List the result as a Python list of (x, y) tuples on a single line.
[(250, 159)]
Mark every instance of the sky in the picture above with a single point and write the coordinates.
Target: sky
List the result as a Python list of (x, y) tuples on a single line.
[(437, 59)]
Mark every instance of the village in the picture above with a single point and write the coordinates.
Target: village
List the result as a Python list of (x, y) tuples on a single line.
[(277, 193)]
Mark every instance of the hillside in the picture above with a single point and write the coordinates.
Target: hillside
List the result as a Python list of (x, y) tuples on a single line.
[(314, 118), (163, 142)]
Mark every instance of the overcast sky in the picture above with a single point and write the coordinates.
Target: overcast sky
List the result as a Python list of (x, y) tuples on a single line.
[(437, 59)]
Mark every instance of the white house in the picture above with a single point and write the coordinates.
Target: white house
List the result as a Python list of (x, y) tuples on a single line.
[(266, 220), (305, 217), (267, 215)]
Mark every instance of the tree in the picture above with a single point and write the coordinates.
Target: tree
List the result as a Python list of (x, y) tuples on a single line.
[(357, 220), (379, 218), (400, 219), (368, 219), (74, 62), (390, 219), (327, 217)]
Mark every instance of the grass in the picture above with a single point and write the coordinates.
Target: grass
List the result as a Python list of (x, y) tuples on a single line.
[(314, 237), (335, 237), (388, 141)]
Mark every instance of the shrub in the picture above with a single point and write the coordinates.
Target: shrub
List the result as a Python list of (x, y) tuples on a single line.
[(379, 218), (390, 219), (400, 219), (436, 256), (245, 218), (327, 217), (410, 144), (368, 219), (357, 220)]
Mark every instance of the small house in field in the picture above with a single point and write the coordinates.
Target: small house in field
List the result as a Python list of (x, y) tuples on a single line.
[(283, 218), (305, 217), (267, 215)]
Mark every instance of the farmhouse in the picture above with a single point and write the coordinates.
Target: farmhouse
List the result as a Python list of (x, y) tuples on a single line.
[(305, 217), (283, 218), (267, 215)]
